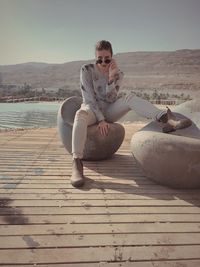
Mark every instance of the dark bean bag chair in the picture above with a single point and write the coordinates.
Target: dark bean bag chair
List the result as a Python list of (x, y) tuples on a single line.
[(97, 147)]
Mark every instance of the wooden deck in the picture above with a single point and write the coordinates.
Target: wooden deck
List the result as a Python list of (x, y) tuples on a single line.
[(119, 218)]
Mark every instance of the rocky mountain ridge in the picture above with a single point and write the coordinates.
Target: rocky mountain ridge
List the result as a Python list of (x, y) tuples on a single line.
[(168, 70)]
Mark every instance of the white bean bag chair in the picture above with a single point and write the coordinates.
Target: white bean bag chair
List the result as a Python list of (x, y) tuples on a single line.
[(171, 159)]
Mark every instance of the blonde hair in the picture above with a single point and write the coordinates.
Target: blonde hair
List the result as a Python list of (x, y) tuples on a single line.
[(104, 45)]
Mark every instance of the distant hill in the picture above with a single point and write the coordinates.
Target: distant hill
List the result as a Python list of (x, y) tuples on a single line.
[(176, 70)]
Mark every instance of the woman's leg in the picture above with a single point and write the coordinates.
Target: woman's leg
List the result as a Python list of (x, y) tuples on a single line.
[(83, 118), (143, 107), (124, 104)]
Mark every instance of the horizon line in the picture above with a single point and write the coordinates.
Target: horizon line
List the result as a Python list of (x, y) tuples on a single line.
[(138, 51)]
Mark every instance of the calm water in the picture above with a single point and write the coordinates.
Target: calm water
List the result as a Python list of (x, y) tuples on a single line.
[(43, 114)]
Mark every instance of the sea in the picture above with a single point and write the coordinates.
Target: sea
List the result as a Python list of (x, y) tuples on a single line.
[(42, 115)]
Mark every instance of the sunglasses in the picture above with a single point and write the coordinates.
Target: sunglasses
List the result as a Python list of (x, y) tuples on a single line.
[(100, 61)]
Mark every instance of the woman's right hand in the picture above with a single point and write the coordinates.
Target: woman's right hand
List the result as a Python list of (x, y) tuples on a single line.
[(113, 69), (103, 127)]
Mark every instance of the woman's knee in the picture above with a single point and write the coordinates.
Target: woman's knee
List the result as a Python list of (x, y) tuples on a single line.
[(85, 115), (128, 97), (81, 114)]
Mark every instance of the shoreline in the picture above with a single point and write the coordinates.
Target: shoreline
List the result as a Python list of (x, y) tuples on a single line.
[(33, 102), (3, 130)]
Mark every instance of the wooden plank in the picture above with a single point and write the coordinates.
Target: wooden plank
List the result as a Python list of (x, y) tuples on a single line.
[(107, 173), (96, 240), (60, 171), (95, 196), (90, 185), (99, 202), (86, 209), (157, 263), (66, 181), (131, 254), (90, 190), (91, 228), (98, 218)]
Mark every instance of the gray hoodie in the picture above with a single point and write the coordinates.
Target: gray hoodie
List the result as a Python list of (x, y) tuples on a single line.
[(96, 91)]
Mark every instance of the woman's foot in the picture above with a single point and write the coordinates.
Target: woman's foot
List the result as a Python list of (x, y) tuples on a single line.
[(172, 123), (77, 178)]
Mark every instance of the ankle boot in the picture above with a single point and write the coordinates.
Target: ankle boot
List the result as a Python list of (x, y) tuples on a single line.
[(172, 123), (77, 178)]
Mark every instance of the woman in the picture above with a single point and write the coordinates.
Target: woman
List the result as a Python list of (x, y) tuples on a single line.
[(100, 83)]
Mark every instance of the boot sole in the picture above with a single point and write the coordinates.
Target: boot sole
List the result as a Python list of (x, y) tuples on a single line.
[(78, 183)]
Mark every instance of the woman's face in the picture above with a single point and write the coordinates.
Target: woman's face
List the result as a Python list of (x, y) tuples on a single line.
[(103, 56)]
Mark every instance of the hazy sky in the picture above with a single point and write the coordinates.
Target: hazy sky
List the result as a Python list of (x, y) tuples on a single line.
[(57, 31)]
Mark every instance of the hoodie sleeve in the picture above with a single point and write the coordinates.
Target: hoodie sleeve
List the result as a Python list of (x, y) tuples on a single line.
[(88, 93), (112, 88)]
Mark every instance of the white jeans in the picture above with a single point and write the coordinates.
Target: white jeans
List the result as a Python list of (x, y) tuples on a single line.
[(113, 112)]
